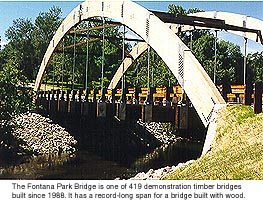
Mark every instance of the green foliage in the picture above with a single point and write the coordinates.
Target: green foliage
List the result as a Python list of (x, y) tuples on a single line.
[(175, 9), (204, 51), (162, 76), (20, 46), (16, 61), (28, 41), (45, 27), (20, 30), (229, 59), (14, 99), (255, 67)]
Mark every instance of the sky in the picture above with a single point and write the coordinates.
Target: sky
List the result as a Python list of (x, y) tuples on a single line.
[(11, 10)]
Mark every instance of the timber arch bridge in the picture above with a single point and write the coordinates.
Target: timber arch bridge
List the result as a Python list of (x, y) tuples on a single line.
[(157, 30)]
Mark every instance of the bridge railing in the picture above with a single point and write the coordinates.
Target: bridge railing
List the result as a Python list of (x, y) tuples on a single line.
[(161, 104), (164, 106)]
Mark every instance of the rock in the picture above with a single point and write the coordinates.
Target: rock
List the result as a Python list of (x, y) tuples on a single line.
[(158, 131), (41, 136), (159, 173), (139, 176)]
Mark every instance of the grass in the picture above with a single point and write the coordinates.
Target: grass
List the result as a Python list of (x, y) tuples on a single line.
[(237, 152)]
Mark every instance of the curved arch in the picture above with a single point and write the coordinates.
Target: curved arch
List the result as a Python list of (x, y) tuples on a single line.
[(182, 63), (136, 52), (229, 18)]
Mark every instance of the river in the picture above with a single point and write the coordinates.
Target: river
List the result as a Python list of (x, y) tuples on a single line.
[(87, 164)]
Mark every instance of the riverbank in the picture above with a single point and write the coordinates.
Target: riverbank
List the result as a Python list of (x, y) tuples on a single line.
[(160, 173), (236, 153), (40, 135), (40, 144), (34, 135), (52, 153)]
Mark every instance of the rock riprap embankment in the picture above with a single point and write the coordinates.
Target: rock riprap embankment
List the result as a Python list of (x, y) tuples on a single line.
[(158, 174), (42, 136), (158, 131)]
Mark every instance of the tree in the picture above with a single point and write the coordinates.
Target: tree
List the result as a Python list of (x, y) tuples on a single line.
[(137, 76), (20, 46), (45, 27), (2, 58), (162, 76), (28, 41), (229, 59), (175, 9), (255, 67), (14, 99), (229, 63)]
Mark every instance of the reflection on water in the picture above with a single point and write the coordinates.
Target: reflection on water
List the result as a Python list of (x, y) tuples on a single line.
[(87, 165), (168, 155), (31, 169)]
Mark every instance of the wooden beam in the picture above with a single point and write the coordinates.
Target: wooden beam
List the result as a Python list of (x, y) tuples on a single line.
[(93, 28), (242, 25), (204, 22), (109, 37), (79, 44)]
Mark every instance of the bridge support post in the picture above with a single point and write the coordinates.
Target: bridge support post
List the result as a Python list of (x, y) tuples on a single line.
[(48, 101), (58, 100), (101, 105), (72, 103), (39, 98), (90, 108), (85, 105), (130, 110), (121, 108), (183, 117), (79, 103), (121, 111), (42, 100), (136, 98), (147, 108), (62, 103), (94, 96), (113, 98), (258, 97), (53, 103), (68, 101), (248, 94), (226, 90), (148, 113)]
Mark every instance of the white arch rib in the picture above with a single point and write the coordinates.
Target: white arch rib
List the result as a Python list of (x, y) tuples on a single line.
[(127, 62), (197, 84)]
